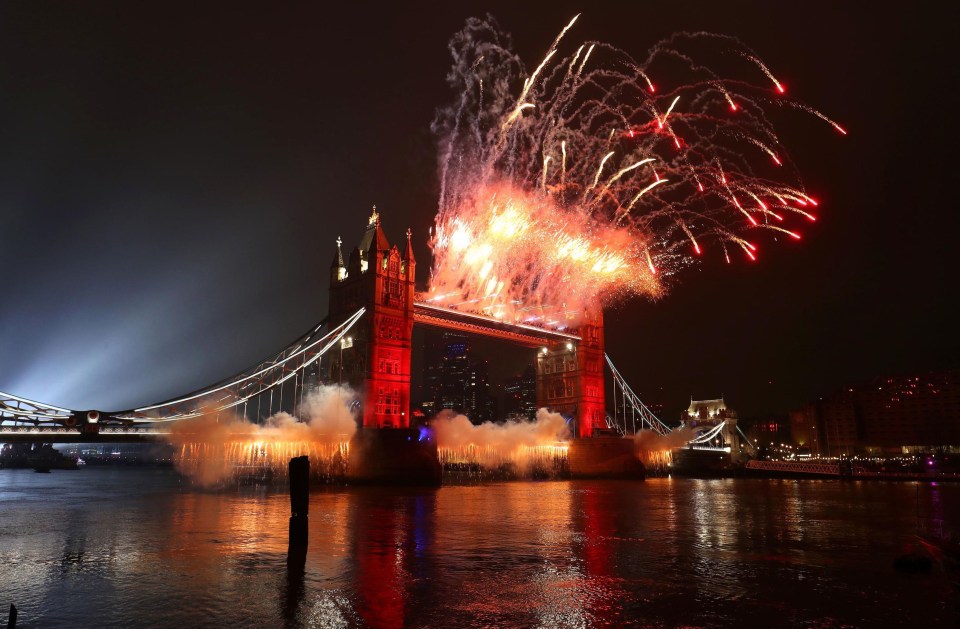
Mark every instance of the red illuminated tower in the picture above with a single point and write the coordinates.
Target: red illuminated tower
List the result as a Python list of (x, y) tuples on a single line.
[(570, 377), (375, 358), (591, 404)]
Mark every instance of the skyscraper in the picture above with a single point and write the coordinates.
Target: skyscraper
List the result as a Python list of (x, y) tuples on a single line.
[(520, 394), (456, 379)]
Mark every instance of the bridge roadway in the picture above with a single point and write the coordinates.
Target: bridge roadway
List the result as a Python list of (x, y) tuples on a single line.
[(62, 434), (518, 333)]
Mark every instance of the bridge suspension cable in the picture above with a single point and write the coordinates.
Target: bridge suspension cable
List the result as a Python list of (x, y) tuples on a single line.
[(628, 408), (749, 443), (265, 377), (14, 408), (708, 435)]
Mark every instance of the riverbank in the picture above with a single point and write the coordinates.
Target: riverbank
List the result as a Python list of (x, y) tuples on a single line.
[(811, 469)]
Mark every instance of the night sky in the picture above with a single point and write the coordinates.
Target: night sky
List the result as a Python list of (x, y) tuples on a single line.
[(172, 180)]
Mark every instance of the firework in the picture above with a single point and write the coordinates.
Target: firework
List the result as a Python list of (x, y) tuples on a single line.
[(513, 448), (247, 458), (219, 448), (581, 183)]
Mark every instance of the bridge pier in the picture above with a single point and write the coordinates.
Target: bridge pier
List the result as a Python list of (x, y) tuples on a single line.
[(393, 456), (601, 456)]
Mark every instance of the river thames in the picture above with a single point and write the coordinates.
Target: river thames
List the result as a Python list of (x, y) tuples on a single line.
[(120, 547)]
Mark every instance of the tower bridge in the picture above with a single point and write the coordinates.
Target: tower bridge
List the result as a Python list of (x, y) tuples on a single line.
[(367, 341), (379, 278)]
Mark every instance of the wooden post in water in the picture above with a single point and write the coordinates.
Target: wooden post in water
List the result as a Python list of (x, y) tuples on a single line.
[(299, 504), (12, 618), (297, 548)]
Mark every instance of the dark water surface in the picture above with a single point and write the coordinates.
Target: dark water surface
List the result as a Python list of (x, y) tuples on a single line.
[(139, 547)]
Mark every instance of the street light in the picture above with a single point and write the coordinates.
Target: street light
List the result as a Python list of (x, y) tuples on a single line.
[(346, 341)]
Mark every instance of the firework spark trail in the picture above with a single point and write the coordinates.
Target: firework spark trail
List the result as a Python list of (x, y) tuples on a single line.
[(579, 184), (214, 449), (655, 450), (777, 84), (518, 445)]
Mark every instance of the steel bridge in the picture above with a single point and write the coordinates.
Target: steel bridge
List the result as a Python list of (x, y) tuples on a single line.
[(631, 416), (259, 387), (264, 385), (375, 286)]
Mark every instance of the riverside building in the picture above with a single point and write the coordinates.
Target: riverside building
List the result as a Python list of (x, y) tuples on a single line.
[(887, 415)]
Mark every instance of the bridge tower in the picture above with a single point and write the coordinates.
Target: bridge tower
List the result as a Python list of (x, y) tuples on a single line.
[(375, 358), (570, 377)]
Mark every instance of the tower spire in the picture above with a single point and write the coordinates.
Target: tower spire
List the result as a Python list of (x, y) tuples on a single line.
[(408, 254)]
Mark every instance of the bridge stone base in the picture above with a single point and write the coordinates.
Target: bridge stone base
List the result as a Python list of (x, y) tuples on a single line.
[(605, 457), (393, 456)]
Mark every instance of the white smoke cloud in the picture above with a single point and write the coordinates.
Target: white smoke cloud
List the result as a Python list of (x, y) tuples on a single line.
[(652, 441), (518, 444), (212, 449), (655, 449)]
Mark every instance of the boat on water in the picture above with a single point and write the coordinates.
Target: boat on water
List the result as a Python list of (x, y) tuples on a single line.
[(935, 546), (41, 457), (702, 463), (943, 548)]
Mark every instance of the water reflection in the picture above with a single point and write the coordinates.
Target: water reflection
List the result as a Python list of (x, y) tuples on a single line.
[(598, 591), (143, 548), (379, 550)]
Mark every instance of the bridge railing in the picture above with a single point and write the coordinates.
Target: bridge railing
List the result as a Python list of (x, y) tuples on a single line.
[(64, 430)]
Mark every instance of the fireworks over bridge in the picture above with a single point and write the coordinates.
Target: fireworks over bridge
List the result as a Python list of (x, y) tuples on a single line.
[(591, 179)]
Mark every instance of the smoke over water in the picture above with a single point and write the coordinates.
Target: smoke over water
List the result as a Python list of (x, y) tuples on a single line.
[(212, 451), (654, 450), (517, 448), (595, 175)]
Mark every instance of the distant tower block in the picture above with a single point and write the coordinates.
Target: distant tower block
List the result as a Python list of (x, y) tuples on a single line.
[(376, 358), (570, 377)]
